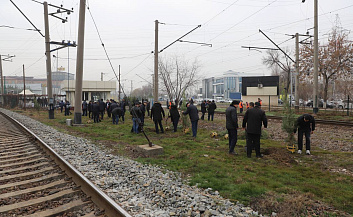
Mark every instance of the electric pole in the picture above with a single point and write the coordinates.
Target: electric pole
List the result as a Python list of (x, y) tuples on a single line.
[(155, 88), (131, 88), (119, 84), (79, 63), (48, 60), (316, 59), (3, 58), (296, 106), (47, 50), (24, 88)]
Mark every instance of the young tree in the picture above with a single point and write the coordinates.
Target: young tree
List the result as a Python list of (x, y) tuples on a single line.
[(177, 76), (335, 58)]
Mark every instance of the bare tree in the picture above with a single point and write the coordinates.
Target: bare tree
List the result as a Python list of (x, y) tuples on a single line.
[(143, 92), (335, 59), (177, 76), (275, 59)]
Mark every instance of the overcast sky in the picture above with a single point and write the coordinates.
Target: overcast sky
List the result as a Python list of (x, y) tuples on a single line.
[(127, 29)]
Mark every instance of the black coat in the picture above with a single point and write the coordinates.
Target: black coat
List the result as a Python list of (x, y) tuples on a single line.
[(157, 112), (174, 113), (193, 112), (305, 126), (203, 107), (231, 118), (112, 106), (122, 105), (254, 118), (212, 107), (135, 112), (84, 105), (117, 111), (101, 105), (89, 107), (95, 108), (143, 109)]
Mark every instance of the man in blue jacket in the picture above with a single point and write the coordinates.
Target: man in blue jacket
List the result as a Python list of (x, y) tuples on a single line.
[(194, 117)]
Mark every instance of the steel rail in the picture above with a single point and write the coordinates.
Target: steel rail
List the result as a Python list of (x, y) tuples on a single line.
[(110, 207)]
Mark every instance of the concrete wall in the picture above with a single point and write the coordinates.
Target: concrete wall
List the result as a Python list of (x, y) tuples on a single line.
[(265, 99), (263, 91), (104, 88)]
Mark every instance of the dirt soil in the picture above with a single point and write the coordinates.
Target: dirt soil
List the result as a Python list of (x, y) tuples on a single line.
[(293, 204)]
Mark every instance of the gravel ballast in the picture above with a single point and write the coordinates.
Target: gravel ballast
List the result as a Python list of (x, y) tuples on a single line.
[(142, 190)]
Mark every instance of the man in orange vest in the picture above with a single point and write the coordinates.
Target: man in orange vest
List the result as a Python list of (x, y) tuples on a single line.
[(241, 106), (260, 101)]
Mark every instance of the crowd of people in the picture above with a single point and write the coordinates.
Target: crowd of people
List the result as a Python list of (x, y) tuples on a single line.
[(254, 119)]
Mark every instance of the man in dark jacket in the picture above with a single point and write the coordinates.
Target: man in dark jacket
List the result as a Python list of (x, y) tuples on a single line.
[(112, 106), (156, 114), (303, 126), (61, 104), (67, 108), (211, 108), (101, 107), (194, 117), (143, 110), (253, 120), (136, 114), (95, 109), (107, 105), (174, 116), (232, 125), (203, 109), (116, 113), (84, 108), (148, 107), (122, 105), (89, 108)]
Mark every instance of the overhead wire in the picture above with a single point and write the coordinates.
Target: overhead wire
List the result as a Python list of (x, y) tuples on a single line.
[(149, 142), (243, 20)]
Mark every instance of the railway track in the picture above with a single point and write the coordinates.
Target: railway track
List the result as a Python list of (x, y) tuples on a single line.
[(35, 181)]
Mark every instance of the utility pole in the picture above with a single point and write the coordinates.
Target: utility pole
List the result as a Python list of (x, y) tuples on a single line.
[(79, 64), (48, 61), (102, 76), (296, 72), (2, 83), (119, 84), (24, 88), (316, 59), (131, 88), (155, 88), (47, 49), (3, 58)]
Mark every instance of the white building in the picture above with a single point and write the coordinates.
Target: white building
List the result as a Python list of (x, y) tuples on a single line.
[(227, 86), (91, 90)]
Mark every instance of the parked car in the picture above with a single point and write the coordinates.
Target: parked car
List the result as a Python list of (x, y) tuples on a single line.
[(310, 103), (280, 102), (343, 104)]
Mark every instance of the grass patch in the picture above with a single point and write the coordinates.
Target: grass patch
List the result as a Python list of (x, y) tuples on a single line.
[(281, 178)]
